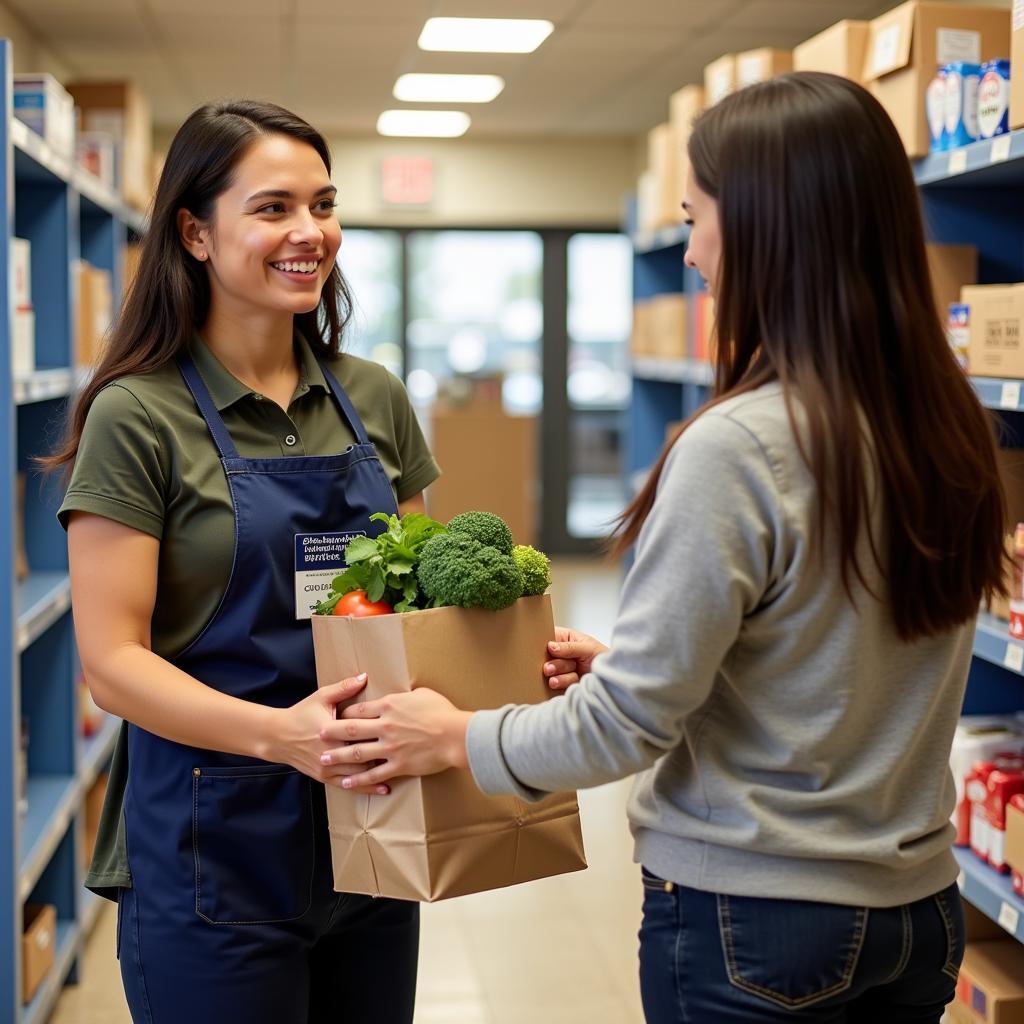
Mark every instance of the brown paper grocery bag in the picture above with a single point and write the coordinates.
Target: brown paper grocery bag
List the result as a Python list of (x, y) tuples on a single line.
[(439, 836)]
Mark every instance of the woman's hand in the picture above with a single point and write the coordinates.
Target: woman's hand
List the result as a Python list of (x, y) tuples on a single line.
[(415, 733), (296, 736), (572, 654)]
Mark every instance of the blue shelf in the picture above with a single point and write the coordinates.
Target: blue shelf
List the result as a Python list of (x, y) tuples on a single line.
[(997, 393), (991, 163), (663, 238), (39, 601), (36, 160), (991, 892), (993, 642), (44, 385), (52, 800), (68, 940), (683, 371)]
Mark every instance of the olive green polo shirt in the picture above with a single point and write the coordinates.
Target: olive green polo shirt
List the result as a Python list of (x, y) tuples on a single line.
[(147, 460)]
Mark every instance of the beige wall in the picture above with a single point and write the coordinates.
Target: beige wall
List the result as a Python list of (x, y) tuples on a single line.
[(29, 55)]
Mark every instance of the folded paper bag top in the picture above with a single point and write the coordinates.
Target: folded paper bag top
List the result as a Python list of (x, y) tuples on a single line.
[(439, 836)]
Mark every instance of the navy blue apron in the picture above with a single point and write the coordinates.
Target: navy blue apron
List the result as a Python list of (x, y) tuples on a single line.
[(232, 887)]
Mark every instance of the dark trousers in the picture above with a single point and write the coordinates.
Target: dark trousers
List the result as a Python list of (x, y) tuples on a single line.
[(708, 958)]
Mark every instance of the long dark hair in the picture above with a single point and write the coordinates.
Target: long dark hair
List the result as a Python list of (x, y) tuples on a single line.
[(823, 286), (170, 297)]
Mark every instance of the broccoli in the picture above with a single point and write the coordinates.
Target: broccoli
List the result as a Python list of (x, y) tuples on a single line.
[(535, 567), (457, 570), (484, 527)]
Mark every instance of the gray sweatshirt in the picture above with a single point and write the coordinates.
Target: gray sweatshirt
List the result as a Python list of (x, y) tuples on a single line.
[(788, 743)]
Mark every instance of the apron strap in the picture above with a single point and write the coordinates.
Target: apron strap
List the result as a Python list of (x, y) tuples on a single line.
[(195, 383), (348, 410)]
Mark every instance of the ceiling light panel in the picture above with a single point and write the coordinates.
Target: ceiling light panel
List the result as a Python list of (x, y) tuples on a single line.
[(423, 88), (484, 35), (441, 124)]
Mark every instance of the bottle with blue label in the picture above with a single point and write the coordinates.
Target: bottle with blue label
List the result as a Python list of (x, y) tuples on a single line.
[(994, 99), (962, 80), (935, 111)]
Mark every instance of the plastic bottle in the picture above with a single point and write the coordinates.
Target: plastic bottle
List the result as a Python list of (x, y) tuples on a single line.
[(1017, 594)]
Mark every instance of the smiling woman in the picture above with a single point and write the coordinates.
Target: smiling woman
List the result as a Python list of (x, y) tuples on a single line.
[(223, 430)]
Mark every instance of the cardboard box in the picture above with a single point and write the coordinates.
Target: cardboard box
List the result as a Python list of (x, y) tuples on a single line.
[(131, 254), (122, 111), (991, 984), (1015, 834), (21, 260), (41, 102), (719, 78), (488, 462), (439, 836), (663, 164), (684, 106), (95, 312), (668, 326), (1017, 66), (997, 313), (839, 50), (38, 946), (23, 343), (641, 338), (908, 43), (759, 65), (950, 267)]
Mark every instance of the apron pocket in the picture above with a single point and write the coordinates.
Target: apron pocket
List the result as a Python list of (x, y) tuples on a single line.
[(253, 842)]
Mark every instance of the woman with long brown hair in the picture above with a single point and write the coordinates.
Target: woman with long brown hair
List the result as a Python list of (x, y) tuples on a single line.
[(223, 436), (790, 656)]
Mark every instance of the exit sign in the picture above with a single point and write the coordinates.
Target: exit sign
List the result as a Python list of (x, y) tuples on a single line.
[(407, 181)]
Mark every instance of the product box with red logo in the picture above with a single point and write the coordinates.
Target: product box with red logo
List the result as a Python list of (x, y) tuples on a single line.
[(979, 738), (1015, 841), (1002, 786), (976, 794)]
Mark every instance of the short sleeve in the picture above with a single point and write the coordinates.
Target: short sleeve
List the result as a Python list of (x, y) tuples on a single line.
[(118, 472), (418, 466)]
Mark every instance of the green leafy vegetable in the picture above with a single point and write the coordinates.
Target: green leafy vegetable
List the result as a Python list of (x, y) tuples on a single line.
[(383, 565)]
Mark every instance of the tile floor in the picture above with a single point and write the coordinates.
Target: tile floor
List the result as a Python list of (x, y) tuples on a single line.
[(561, 951)]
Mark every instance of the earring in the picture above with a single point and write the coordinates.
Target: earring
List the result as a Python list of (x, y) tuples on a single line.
[(201, 256)]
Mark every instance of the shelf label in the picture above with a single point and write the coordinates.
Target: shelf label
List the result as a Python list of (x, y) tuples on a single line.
[(958, 161), (1014, 657), (1000, 149), (1009, 917), (1009, 395)]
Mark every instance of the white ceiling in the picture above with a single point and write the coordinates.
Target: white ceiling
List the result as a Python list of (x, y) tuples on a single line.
[(606, 70)]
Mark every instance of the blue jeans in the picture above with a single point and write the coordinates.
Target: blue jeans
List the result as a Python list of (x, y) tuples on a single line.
[(708, 958)]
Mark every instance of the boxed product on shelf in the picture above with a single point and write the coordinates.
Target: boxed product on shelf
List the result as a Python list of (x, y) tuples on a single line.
[(663, 164), (38, 946), (1003, 786), (950, 267), (984, 842), (96, 153), (761, 64), (123, 111), (41, 102), (935, 112), (960, 125), (997, 312), (908, 43), (641, 342), (978, 739), (668, 326), (1015, 837), (21, 260), (95, 311), (719, 78), (994, 99), (839, 50), (991, 983), (23, 340), (958, 332), (684, 106), (1017, 67)]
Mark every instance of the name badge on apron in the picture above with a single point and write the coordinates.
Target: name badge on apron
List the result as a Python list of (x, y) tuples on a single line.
[(319, 557)]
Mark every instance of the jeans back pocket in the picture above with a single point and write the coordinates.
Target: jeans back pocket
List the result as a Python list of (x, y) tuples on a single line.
[(253, 843), (793, 953)]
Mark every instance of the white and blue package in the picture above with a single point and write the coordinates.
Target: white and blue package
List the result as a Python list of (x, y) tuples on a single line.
[(961, 103), (994, 99), (935, 111)]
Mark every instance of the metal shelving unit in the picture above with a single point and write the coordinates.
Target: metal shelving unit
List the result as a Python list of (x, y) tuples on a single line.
[(67, 214)]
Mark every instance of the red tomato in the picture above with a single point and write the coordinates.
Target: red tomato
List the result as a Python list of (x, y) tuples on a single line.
[(357, 604)]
